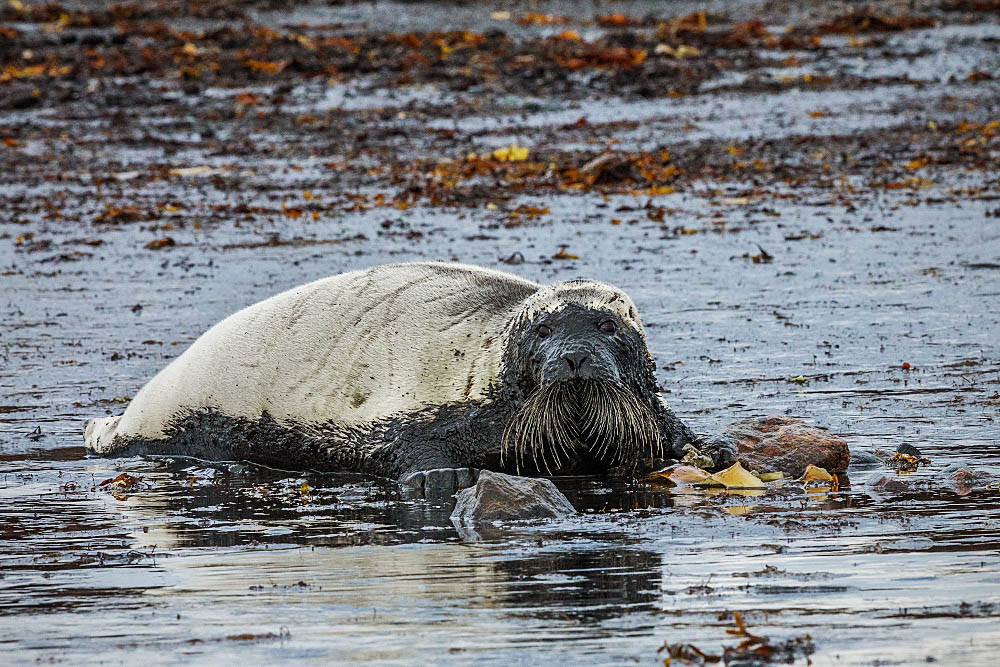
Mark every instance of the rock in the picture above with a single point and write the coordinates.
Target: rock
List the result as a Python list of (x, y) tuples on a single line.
[(786, 444), (906, 458), (19, 97), (502, 497), (909, 450), (694, 456), (903, 544), (955, 478), (865, 460), (952, 468), (964, 481), (610, 168), (893, 483), (720, 451)]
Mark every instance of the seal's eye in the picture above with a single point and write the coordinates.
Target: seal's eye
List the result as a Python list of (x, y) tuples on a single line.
[(544, 331), (608, 326)]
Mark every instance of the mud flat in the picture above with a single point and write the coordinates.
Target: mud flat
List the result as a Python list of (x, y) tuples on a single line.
[(804, 201)]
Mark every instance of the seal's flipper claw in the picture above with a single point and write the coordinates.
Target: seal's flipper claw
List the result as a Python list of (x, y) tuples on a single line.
[(99, 434), (414, 481), (437, 482)]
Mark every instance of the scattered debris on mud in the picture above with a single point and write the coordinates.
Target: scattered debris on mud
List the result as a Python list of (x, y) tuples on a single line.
[(752, 650), (122, 485)]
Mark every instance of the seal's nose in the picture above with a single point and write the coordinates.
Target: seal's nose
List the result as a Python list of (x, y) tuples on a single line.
[(576, 361)]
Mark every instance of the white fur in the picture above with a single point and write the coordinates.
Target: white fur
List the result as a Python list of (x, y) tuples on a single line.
[(351, 348)]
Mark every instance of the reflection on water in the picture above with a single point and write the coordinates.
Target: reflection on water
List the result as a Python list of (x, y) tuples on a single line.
[(229, 558)]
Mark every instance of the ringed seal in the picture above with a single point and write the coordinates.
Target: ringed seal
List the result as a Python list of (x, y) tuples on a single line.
[(412, 367)]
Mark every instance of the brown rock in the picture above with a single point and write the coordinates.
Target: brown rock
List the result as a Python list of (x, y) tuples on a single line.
[(786, 444), (609, 168), (502, 497), (964, 481), (893, 483)]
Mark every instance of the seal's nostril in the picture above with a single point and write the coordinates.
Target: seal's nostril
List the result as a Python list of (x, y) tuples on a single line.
[(575, 360)]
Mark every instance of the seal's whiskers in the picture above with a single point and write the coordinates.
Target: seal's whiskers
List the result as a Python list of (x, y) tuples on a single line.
[(562, 419)]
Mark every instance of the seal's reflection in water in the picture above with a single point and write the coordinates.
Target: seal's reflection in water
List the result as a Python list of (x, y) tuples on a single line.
[(198, 504), (230, 504), (256, 520)]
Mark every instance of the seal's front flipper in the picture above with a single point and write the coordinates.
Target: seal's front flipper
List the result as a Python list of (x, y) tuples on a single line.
[(722, 449), (438, 482)]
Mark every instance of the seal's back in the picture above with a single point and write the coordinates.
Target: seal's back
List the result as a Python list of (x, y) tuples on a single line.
[(351, 349)]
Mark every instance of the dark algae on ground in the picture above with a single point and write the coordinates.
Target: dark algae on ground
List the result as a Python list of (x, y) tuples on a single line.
[(801, 198)]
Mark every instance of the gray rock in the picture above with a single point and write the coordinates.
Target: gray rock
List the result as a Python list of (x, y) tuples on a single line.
[(903, 544), (865, 460), (955, 467), (964, 481), (954, 478), (498, 497)]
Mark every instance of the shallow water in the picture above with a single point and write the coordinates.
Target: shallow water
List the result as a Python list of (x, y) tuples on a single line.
[(208, 562), (204, 556)]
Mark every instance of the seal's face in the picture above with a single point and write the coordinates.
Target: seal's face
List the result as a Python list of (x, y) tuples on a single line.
[(581, 363), (576, 343)]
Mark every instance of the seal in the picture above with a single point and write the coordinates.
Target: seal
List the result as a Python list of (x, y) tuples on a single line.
[(406, 368)]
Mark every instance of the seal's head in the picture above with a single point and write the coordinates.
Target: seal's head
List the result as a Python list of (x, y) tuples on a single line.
[(587, 392)]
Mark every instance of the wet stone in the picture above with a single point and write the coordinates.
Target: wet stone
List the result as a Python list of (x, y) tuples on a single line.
[(865, 460), (497, 497), (905, 544), (963, 478), (19, 97), (785, 444), (963, 481), (892, 483), (955, 478), (960, 466)]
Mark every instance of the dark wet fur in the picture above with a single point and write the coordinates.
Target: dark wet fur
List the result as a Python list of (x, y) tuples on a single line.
[(456, 435)]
